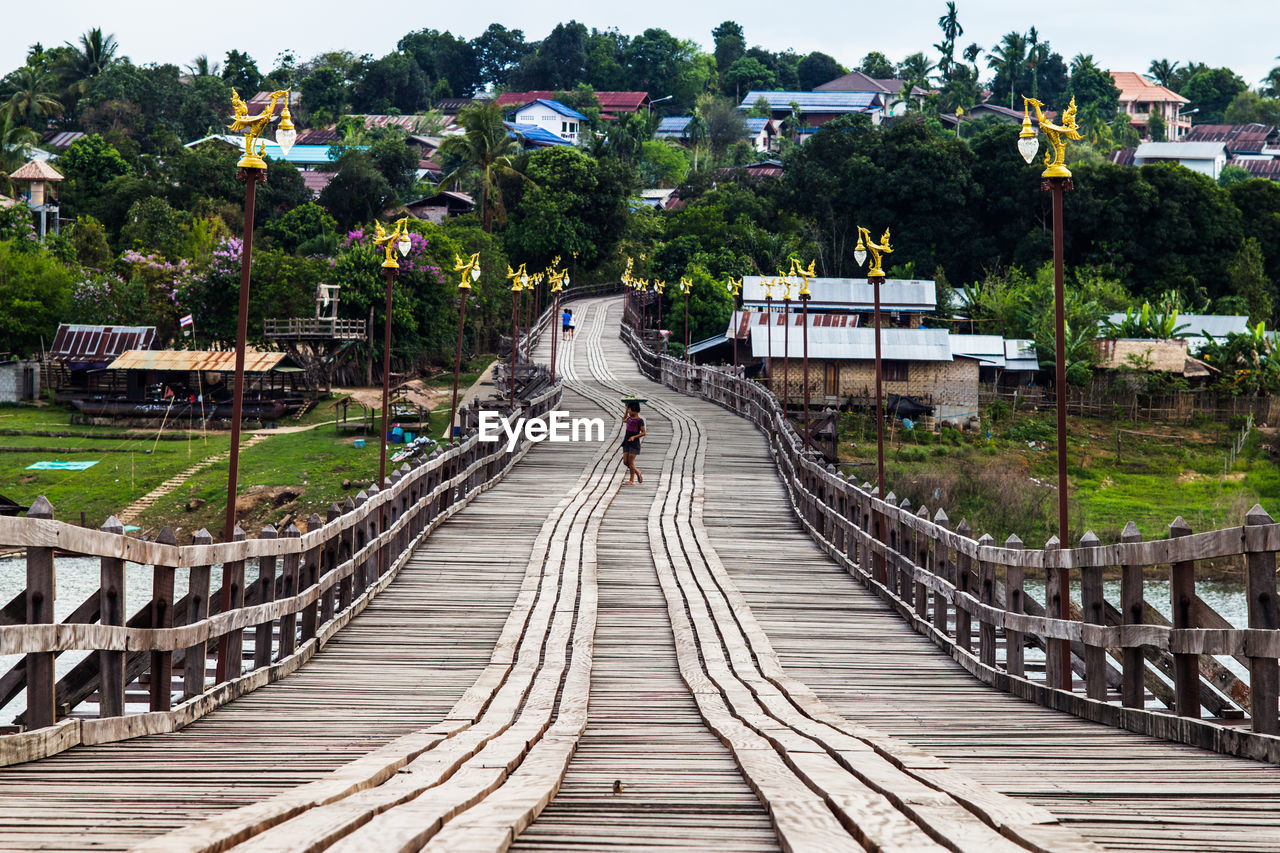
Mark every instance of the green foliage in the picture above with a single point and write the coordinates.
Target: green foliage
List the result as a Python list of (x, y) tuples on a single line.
[(662, 164), (306, 229), (1249, 107), (1147, 323), (35, 291), (153, 225), (241, 73), (875, 64), (481, 158), (1211, 91), (1248, 280), (89, 243), (818, 68), (358, 193), (88, 165), (1231, 175)]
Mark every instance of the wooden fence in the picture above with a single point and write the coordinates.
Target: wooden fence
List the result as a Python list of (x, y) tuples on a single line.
[(1101, 400), (1136, 669)]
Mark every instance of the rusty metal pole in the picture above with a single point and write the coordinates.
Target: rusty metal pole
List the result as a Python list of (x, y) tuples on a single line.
[(875, 287), (804, 302), (768, 313), (457, 359), (386, 377), (1057, 186), (555, 320), (515, 341), (786, 353), (251, 179), (686, 324), (734, 328)]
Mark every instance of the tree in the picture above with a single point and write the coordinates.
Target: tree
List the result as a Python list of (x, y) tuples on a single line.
[(16, 141), (607, 58), (660, 63), (153, 225), (1162, 70), (35, 292), (662, 164), (202, 67), (304, 226), (730, 44), (447, 61), (31, 96), (876, 65), (484, 153), (949, 23), (1259, 204), (324, 93), (397, 162), (1211, 91), (497, 50), (358, 193), (241, 73), (1248, 280), (1248, 107), (747, 75), (816, 69), (89, 164), (1097, 97), (393, 83), (1007, 59), (1156, 128), (914, 72), (1232, 174), (1271, 83), (723, 122), (94, 54), (559, 62)]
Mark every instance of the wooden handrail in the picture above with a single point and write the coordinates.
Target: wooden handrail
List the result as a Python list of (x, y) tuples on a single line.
[(924, 569)]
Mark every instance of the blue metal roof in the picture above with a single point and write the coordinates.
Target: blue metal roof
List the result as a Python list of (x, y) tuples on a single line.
[(672, 126), (534, 135), (302, 155), (755, 125), (814, 102), (568, 112)]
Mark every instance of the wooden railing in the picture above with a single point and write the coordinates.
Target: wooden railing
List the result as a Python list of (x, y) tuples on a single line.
[(1138, 670), (309, 585), (314, 327)]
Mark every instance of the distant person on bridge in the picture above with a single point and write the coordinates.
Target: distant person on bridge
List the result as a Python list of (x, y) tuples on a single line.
[(632, 433), (566, 324)]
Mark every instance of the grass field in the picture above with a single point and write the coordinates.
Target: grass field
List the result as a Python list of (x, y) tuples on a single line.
[(1003, 479)]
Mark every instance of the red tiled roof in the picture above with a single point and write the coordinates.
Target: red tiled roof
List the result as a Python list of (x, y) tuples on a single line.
[(627, 102), (317, 181), (1249, 138), (1134, 87), (1269, 169)]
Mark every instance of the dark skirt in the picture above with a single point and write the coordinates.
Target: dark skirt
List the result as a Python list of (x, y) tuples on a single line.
[(631, 447)]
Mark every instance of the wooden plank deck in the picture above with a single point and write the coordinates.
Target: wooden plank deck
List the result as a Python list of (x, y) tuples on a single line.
[(398, 667), (1119, 789)]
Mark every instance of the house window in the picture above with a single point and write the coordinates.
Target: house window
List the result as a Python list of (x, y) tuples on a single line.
[(831, 379), (894, 371)]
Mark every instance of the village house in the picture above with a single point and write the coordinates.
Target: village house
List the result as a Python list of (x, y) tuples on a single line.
[(37, 184), (817, 108), (552, 117), (436, 208), (1140, 98), (892, 92), (762, 133), (611, 104)]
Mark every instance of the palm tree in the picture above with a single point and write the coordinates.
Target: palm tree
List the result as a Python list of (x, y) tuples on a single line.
[(1161, 71), (951, 30), (1272, 81), (914, 71), (201, 67), (1009, 57), (95, 53), (16, 141), (1082, 60), (31, 96), (485, 153)]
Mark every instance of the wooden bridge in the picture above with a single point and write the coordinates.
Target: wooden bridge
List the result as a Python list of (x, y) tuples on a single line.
[(512, 649)]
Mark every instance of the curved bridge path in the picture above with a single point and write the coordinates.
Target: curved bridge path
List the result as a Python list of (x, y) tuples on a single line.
[(572, 663)]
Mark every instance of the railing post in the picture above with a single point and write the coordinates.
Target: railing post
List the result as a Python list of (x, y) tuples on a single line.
[(289, 588), (940, 571), (1260, 587), (311, 576), (40, 595), (266, 595), (232, 598), (161, 676), (1094, 613), (878, 569), (1132, 607), (361, 531), (905, 589), (962, 569), (1014, 603), (921, 558), (111, 607), (1053, 593), (987, 595), (195, 659), (1182, 597), (346, 552), (373, 524)]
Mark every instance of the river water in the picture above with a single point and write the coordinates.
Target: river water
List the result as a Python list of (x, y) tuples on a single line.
[(76, 578)]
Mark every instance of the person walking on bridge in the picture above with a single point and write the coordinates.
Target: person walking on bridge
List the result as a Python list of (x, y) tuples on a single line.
[(566, 324), (633, 431)]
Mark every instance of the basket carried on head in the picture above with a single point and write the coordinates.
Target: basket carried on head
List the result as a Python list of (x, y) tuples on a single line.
[(634, 402)]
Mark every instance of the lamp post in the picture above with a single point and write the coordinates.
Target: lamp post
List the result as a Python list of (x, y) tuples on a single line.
[(875, 276), (470, 272), (659, 287), (804, 275), (786, 339), (768, 313), (686, 284), (559, 279), (398, 238), (734, 288), (252, 170), (518, 279), (1056, 180)]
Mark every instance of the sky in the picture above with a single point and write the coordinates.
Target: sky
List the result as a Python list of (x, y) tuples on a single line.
[(1239, 34)]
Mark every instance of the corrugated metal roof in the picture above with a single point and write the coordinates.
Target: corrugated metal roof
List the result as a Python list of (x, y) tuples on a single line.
[(61, 140), (814, 102), (1180, 150), (566, 111), (317, 181), (1239, 138), (254, 362), (535, 135), (672, 126), (896, 294), (76, 342), (307, 155), (1217, 325), (988, 349), (854, 343)]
